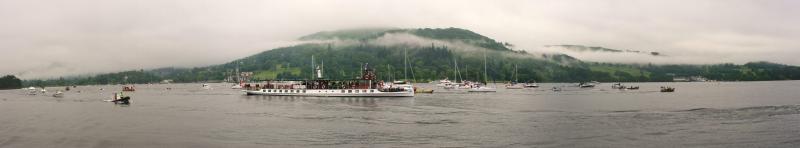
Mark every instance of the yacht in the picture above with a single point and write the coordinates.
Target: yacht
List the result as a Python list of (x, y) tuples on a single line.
[(514, 84), (483, 88)]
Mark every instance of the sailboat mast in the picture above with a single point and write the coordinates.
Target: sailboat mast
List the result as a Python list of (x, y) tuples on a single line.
[(312, 67), (361, 70), (485, 75), (458, 74), (516, 76), (405, 64), (322, 68), (516, 73), (455, 69), (391, 75), (466, 72)]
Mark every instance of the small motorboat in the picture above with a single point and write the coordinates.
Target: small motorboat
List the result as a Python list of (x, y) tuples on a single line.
[(127, 88), (531, 85), (515, 86), (633, 88), (122, 100), (667, 89), (617, 86), (31, 90), (556, 89), (58, 94), (482, 89), (119, 98), (422, 90), (444, 82), (206, 86), (586, 85), (449, 86)]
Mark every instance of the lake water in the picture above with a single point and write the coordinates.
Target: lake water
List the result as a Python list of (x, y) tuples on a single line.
[(712, 114)]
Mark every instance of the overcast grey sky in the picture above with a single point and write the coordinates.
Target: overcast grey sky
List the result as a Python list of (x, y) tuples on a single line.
[(53, 38)]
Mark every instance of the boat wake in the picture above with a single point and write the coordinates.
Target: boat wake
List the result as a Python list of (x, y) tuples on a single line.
[(747, 112)]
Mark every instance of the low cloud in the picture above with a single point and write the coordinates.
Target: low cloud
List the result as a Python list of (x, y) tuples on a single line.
[(97, 36)]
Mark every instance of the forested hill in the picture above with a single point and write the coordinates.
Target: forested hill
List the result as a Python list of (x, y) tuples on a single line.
[(431, 54)]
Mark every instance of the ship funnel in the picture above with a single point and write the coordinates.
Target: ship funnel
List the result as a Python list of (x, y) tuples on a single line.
[(319, 72)]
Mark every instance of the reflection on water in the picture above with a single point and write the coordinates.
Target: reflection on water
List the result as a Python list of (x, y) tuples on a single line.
[(354, 101), (720, 114)]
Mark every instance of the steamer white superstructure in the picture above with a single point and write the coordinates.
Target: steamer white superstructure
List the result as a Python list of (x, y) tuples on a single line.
[(365, 86)]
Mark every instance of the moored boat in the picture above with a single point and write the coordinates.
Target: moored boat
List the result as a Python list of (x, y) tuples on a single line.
[(422, 90), (531, 85), (120, 98), (128, 88), (58, 94), (556, 89), (482, 89), (586, 85), (667, 89), (444, 82), (617, 86), (515, 86), (365, 86)]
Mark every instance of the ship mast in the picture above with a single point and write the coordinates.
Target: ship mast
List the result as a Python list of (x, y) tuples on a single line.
[(312, 67), (516, 76), (405, 64)]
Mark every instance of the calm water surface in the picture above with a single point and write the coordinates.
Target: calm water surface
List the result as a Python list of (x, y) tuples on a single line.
[(713, 114)]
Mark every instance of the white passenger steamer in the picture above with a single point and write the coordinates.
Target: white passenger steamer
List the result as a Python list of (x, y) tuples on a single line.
[(365, 86)]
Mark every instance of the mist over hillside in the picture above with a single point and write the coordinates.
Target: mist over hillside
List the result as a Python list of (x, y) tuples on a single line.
[(432, 54)]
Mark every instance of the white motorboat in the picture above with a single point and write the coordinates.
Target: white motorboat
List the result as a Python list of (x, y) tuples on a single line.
[(556, 89), (444, 82), (515, 86), (586, 85), (617, 86), (531, 85), (482, 89), (58, 94), (236, 86)]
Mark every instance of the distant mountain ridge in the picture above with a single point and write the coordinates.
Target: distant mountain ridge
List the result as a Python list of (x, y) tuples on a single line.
[(432, 53)]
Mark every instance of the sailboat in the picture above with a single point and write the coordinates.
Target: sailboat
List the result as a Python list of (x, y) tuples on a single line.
[(483, 88), (406, 65), (514, 84), (456, 83)]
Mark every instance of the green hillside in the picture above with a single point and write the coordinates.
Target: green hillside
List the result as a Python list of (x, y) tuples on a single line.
[(432, 61)]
